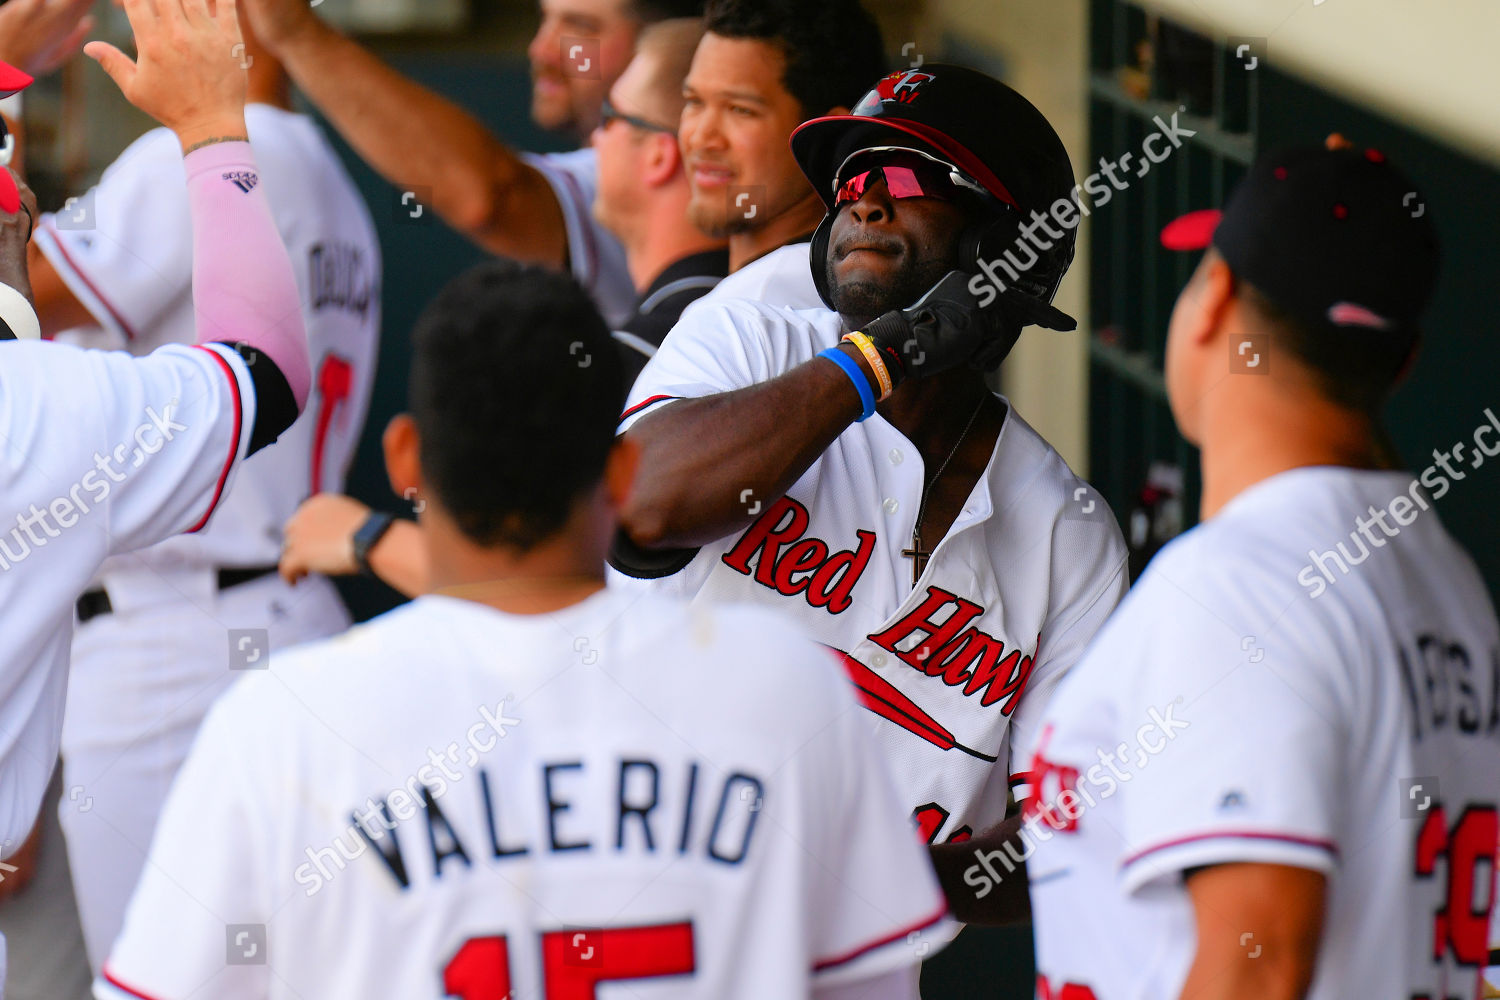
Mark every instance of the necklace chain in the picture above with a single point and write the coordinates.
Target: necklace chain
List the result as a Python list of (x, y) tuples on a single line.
[(926, 493)]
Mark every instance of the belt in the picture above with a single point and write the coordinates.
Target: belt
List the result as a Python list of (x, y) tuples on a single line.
[(94, 603)]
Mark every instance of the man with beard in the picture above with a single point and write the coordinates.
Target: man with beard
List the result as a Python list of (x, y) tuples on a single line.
[(528, 207), (765, 67), (933, 538)]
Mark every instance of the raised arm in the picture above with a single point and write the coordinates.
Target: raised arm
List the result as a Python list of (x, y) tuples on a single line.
[(706, 463), (244, 292), (414, 138)]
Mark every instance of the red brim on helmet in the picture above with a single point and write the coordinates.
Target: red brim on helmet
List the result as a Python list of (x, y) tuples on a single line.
[(822, 145)]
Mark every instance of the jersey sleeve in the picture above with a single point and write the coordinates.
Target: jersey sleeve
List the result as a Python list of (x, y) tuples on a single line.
[(148, 443), (203, 896), (717, 346), (1090, 576), (595, 255), (1240, 737), (862, 926), (125, 246)]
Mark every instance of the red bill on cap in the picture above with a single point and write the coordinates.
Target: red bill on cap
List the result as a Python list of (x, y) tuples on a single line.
[(12, 80), (1194, 231)]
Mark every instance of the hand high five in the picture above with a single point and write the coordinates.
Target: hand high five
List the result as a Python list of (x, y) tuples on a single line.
[(189, 73)]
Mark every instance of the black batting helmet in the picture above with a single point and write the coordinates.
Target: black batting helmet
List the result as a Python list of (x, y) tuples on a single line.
[(997, 143)]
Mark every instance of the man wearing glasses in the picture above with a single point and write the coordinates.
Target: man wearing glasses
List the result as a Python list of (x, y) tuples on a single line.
[(642, 199), (643, 190), (850, 466), (529, 207)]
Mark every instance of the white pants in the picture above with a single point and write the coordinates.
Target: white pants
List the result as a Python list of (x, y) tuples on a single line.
[(40, 925), (141, 681)]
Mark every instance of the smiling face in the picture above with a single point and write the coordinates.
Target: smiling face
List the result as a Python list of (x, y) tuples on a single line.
[(885, 252), (736, 124), (579, 51)]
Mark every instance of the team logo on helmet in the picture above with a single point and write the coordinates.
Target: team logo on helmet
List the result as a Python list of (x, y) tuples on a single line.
[(901, 87)]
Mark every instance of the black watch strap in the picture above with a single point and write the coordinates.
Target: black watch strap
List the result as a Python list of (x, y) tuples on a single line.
[(372, 531)]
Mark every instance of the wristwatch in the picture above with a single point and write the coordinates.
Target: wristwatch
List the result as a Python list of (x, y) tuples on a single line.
[(374, 528)]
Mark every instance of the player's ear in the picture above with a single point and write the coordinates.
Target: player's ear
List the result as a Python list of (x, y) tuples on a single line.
[(620, 469), (665, 160), (1213, 294), (402, 455)]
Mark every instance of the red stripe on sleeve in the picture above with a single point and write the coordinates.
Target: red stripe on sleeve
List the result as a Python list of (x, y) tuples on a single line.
[(638, 407), (114, 313), (849, 956), (234, 444), (109, 977), (1287, 838)]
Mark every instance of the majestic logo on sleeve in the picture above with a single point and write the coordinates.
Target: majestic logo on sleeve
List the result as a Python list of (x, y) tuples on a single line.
[(791, 565), (952, 649)]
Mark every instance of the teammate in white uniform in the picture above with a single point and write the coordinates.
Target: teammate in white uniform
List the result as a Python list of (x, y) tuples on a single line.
[(622, 793), (940, 544), (523, 206), (764, 68), (150, 654), (142, 447), (1316, 814)]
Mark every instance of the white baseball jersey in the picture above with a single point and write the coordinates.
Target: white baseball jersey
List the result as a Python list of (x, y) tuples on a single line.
[(1027, 573), (103, 453), (125, 249), (451, 801), (782, 277), (1257, 709), (594, 253)]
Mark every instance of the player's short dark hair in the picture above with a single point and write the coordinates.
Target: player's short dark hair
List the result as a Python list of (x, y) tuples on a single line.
[(651, 11), (516, 389), (1357, 368), (833, 48)]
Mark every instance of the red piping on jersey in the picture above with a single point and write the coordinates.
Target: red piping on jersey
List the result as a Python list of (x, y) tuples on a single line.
[(109, 977), (234, 444), (638, 407), (849, 956), (1290, 838), (113, 312)]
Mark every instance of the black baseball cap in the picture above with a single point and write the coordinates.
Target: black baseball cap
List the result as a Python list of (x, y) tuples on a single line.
[(1338, 238)]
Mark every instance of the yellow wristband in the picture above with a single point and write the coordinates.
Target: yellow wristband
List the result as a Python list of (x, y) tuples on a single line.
[(877, 363)]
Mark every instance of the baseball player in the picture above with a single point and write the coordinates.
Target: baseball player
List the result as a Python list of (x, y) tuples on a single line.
[(760, 71), (764, 68), (642, 199), (1309, 739), (106, 452), (907, 517), (150, 652), (519, 205), (526, 783)]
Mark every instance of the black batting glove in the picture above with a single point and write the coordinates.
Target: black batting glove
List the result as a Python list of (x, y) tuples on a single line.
[(943, 330)]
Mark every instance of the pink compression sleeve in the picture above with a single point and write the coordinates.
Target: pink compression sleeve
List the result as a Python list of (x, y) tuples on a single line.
[(243, 288)]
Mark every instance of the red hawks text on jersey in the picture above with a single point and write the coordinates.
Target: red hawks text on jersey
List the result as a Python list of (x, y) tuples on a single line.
[(953, 669)]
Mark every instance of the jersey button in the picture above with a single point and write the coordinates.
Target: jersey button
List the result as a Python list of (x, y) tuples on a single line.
[(896, 456), (892, 505)]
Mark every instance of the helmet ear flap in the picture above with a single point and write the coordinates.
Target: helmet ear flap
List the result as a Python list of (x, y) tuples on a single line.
[(818, 258), (998, 240), (987, 240)]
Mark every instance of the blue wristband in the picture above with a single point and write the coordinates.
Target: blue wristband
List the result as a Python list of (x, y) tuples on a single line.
[(861, 384)]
